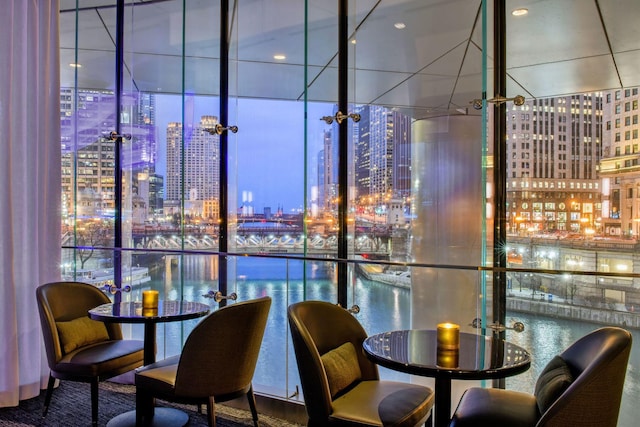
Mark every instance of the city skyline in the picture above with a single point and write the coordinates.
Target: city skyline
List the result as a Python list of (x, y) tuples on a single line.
[(260, 139)]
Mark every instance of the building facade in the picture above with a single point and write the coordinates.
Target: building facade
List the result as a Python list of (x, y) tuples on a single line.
[(554, 146)]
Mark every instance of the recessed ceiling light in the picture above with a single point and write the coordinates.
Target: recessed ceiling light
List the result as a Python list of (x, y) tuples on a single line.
[(74, 65), (400, 25), (520, 12), (279, 57)]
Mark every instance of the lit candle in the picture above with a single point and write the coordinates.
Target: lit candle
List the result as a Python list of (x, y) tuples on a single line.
[(448, 336), (149, 299)]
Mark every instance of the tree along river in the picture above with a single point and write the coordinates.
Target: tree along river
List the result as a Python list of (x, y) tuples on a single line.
[(384, 308)]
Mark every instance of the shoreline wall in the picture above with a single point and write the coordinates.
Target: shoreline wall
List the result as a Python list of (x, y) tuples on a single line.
[(574, 312)]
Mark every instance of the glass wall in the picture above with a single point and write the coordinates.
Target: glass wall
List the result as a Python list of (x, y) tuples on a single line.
[(250, 160)]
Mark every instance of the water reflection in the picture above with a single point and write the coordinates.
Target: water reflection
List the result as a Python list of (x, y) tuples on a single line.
[(384, 308)]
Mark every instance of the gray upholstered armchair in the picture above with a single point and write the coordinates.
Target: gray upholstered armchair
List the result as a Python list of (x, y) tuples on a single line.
[(341, 386), (78, 348), (580, 387)]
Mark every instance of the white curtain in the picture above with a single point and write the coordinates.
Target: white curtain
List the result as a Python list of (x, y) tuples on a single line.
[(29, 187)]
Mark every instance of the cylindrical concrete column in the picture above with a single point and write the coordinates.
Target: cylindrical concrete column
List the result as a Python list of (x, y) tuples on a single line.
[(449, 207)]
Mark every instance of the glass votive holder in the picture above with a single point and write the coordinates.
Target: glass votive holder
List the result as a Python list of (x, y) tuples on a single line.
[(150, 299), (149, 312), (448, 358), (448, 336)]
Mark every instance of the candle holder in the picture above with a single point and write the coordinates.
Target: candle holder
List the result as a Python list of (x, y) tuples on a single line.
[(149, 312), (448, 336), (448, 349), (150, 299), (448, 358)]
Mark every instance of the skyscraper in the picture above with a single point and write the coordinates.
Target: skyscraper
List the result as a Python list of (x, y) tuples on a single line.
[(199, 154), (553, 149), (87, 117), (382, 153), (620, 166)]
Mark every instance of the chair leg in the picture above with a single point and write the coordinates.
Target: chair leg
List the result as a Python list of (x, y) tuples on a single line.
[(252, 405), (211, 411), (47, 396), (94, 402)]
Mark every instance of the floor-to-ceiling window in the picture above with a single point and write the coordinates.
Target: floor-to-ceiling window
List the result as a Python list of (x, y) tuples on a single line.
[(164, 158)]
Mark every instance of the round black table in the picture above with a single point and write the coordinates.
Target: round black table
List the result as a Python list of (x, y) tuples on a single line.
[(133, 312), (416, 352)]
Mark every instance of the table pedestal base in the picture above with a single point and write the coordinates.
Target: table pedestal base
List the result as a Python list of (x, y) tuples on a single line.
[(442, 405), (163, 417)]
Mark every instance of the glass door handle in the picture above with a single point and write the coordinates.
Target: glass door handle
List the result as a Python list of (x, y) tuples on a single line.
[(355, 309), (516, 326), (218, 129), (113, 289), (218, 296), (113, 135), (339, 117), (517, 100)]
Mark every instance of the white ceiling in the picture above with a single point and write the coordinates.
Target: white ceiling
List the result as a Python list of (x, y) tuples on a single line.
[(434, 64)]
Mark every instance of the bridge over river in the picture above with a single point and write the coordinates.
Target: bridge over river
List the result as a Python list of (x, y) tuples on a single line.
[(264, 240)]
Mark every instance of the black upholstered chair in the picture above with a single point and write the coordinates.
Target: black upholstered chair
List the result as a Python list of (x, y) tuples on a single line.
[(78, 348), (216, 364), (581, 387), (341, 386)]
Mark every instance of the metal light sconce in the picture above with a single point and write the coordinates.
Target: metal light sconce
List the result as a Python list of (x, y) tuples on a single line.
[(339, 117), (218, 129), (517, 100)]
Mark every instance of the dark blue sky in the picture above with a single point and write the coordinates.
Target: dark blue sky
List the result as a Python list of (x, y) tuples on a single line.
[(270, 144)]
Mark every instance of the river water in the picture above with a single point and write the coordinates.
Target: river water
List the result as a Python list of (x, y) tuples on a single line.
[(383, 308)]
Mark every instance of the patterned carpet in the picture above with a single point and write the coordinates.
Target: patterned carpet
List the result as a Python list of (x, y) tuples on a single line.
[(71, 406)]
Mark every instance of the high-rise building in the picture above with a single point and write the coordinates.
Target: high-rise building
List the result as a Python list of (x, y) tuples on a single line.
[(327, 188), (193, 161), (620, 165), (382, 153), (554, 146), (87, 117), (156, 192)]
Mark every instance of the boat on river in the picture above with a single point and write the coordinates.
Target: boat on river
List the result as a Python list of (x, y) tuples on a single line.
[(376, 273), (132, 276)]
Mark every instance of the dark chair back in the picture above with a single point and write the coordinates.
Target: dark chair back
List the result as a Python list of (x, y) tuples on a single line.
[(85, 350), (65, 301), (220, 355), (598, 362), (316, 328)]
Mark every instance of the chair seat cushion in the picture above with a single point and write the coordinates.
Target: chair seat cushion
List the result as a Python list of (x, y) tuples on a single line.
[(484, 407), (383, 403), (102, 358), (159, 377)]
